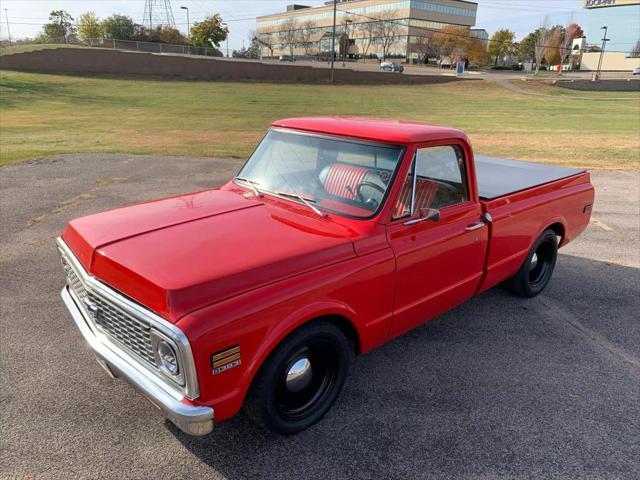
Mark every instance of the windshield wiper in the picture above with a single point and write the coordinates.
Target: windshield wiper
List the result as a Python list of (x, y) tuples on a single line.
[(306, 200), (252, 185)]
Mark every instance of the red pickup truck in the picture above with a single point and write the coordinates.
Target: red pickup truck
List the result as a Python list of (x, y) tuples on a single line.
[(337, 235)]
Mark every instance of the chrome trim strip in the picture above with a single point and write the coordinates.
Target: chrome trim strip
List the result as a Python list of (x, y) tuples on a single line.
[(414, 221), (413, 183), (194, 420), (190, 389)]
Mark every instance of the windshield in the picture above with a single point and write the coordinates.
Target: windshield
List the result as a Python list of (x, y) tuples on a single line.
[(342, 176)]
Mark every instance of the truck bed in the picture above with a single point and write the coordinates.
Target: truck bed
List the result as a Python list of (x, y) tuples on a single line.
[(498, 177)]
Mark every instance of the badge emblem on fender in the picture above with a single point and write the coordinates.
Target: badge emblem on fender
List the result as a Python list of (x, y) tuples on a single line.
[(225, 359)]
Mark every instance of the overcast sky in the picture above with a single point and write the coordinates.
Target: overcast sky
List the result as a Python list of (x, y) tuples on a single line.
[(27, 16)]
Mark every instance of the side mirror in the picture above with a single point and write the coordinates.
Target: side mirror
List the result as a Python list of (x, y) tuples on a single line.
[(432, 214)]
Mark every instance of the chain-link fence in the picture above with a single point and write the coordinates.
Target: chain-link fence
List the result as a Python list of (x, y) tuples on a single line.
[(132, 45)]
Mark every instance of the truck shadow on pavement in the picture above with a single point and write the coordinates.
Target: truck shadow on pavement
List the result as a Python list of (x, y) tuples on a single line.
[(501, 385)]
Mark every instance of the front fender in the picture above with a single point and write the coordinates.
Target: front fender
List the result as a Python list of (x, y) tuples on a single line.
[(360, 291), (256, 348), (284, 327)]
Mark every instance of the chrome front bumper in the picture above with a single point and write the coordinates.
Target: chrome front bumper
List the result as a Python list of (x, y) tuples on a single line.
[(190, 419)]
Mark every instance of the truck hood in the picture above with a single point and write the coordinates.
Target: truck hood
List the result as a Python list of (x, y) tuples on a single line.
[(179, 254)]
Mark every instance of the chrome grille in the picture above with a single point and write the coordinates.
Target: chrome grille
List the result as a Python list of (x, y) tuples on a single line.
[(74, 282), (128, 331)]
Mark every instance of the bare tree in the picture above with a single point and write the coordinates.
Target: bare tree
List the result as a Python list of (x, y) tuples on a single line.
[(265, 40), (387, 29), (345, 38), (542, 43), (425, 47), (635, 53), (289, 35), (368, 32), (305, 36)]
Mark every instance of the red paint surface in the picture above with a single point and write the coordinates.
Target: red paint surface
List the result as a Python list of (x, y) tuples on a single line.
[(231, 269)]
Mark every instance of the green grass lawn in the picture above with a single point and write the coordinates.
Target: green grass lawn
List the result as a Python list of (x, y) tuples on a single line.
[(53, 114), (32, 47)]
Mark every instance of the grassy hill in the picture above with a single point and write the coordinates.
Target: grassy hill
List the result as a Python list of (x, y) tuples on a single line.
[(52, 114)]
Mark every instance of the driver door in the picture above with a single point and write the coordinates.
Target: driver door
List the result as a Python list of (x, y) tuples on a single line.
[(439, 263)]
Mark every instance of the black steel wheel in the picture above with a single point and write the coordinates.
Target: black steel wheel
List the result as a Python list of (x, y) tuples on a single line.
[(537, 269), (301, 379)]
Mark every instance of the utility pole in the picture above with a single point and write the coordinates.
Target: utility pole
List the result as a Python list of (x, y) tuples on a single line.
[(596, 76), (6, 15), (226, 25), (333, 41), (188, 24)]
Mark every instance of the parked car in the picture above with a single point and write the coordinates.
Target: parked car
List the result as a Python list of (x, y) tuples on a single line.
[(391, 67), (286, 58), (336, 236), (636, 71)]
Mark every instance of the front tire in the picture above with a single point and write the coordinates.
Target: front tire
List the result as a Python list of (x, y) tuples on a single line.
[(537, 268), (300, 380)]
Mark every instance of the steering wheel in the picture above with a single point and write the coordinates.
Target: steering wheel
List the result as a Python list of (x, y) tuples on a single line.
[(371, 202), (367, 184)]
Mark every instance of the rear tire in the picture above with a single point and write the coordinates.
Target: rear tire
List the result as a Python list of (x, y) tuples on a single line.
[(537, 268), (300, 380)]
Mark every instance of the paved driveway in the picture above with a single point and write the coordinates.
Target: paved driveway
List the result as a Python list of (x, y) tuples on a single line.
[(500, 387)]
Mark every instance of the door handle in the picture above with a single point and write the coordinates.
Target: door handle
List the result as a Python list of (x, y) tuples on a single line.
[(475, 226)]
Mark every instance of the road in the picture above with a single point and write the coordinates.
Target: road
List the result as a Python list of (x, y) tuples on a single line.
[(500, 387), (433, 70), (374, 66)]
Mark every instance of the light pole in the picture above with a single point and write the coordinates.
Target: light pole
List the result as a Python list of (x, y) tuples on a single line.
[(6, 16), (333, 41), (226, 25), (188, 24), (596, 76)]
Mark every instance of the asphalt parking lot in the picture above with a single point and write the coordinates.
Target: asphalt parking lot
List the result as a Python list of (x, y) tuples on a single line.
[(500, 387)]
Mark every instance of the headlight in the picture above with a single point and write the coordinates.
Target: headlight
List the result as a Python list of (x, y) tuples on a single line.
[(167, 357)]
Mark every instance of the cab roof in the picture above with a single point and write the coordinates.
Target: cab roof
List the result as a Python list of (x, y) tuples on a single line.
[(380, 130)]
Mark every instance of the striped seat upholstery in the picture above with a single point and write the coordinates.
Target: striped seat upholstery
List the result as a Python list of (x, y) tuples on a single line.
[(425, 193), (343, 180)]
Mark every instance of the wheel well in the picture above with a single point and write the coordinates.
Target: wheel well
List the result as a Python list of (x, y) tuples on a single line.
[(558, 228), (340, 322), (346, 327)]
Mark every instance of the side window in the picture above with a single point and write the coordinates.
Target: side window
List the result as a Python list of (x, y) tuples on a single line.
[(403, 204), (440, 181)]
